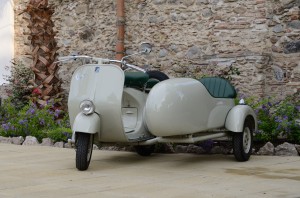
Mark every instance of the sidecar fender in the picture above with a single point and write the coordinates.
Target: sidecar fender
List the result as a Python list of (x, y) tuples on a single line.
[(236, 117), (86, 124)]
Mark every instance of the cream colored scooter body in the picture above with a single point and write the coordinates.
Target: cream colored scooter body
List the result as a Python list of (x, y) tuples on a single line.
[(184, 106), (119, 111), (102, 84)]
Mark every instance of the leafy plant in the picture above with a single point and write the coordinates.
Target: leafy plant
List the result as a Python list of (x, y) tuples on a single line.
[(38, 121), (23, 88), (59, 134), (19, 80), (277, 119), (39, 82)]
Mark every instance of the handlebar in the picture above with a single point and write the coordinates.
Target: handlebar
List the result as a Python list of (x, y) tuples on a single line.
[(66, 58), (135, 67), (123, 63)]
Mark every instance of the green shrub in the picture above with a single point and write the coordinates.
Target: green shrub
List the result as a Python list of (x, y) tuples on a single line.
[(20, 77), (59, 134), (277, 118), (32, 120)]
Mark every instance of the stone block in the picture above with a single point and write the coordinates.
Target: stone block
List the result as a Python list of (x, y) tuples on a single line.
[(30, 141), (59, 144), (294, 24), (286, 149), (68, 145), (292, 47), (18, 140), (47, 142), (297, 146), (278, 28), (267, 149), (5, 140), (159, 2)]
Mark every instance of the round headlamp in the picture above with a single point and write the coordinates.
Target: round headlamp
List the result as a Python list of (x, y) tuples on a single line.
[(87, 107)]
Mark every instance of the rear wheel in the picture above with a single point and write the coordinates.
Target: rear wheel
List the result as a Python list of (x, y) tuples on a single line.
[(154, 78), (158, 75), (145, 150), (84, 150), (243, 142)]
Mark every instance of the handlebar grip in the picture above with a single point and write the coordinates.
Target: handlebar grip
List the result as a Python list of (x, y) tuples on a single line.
[(105, 60), (135, 67), (63, 58)]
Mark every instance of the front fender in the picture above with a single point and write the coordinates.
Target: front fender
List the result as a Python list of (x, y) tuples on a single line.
[(237, 116), (86, 124)]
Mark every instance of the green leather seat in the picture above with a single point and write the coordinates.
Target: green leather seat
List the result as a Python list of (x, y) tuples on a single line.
[(219, 87), (136, 79)]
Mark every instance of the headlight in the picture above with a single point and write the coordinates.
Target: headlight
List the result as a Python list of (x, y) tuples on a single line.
[(87, 107)]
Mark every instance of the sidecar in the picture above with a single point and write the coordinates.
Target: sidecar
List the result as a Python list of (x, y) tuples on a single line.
[(185, 110), (190, 106), (110, 105)]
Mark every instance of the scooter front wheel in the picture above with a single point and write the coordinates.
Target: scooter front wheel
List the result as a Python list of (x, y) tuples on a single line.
[(84, 145)]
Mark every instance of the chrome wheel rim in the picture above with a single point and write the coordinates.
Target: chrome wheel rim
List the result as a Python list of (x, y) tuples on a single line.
[(247, 140)]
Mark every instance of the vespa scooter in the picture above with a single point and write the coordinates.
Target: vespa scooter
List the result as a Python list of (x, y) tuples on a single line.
[(107, 103)]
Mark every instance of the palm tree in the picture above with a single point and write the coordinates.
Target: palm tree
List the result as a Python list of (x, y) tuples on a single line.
[(46, 83)]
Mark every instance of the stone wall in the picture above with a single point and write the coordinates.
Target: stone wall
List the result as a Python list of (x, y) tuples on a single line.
[(191, 38), (284, 36), (23, 46)]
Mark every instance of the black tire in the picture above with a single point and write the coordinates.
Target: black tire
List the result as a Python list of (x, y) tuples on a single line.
[(84, 145), (154, 78), (158, 75), (243, 142), (145, 150)]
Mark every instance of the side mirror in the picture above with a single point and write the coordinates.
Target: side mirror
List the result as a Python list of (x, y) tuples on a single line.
[(145, 48)]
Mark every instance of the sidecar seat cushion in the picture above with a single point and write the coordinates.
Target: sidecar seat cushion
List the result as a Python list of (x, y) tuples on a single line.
[(219, 87), (135, 79)]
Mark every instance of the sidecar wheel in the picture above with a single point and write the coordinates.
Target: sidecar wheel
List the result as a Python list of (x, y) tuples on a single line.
[(84, 150), (243, 142), (145, 150)]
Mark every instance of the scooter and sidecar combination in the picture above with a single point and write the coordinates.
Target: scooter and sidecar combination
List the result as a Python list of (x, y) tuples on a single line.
[(109, 104)]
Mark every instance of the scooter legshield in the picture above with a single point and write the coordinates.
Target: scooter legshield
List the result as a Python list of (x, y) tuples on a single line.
[(103, 86)]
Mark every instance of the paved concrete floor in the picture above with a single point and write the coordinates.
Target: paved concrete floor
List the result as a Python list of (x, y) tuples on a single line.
[(36, 171)]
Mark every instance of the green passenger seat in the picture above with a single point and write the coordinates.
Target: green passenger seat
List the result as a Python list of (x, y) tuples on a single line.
[(136, 79), (219, 87)]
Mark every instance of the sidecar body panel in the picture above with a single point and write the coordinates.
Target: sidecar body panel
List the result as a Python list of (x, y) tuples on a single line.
[(184, 106), (103, 85), (236, 118)]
